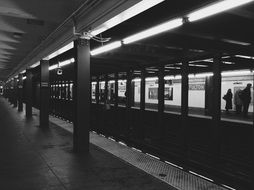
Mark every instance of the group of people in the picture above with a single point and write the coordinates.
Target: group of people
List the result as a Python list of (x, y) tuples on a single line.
[(242, 100)]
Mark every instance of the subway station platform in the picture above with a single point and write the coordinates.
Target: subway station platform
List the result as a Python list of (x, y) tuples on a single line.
[(35, 158)]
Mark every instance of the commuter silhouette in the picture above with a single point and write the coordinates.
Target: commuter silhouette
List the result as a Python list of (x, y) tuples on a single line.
[(246, 97), (228, 98), (238, 102)]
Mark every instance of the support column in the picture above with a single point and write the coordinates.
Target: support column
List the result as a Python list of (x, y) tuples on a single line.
[(161, 102), (128, 103), (106, 90), (184, 109), (81, 96), (44, 94), (116, 90), (97, 90), (142, 103), (216, 111), (20, 93), (29, 93), (15, 92)]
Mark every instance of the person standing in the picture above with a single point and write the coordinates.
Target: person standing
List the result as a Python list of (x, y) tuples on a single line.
[(228, 98), (238, 102), (246, 97)]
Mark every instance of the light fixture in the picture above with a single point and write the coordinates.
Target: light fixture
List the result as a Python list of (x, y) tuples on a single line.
[(151, 78), (196, 65), (244, 56), (24, 78), (106, 48), (215, 8), (236, 42), (35, 65), (168, 77), (203, 75), (62, 64), (60, 51), (136, 80), (236, 73), (169, 25), (125, 15)]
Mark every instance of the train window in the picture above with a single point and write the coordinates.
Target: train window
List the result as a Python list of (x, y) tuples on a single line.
[(172, 93), (71, 91), (151, 93), (111, 91), (237, 96), (93, 92), (122, 92), (199, 94), (101, 92), (136, 83)]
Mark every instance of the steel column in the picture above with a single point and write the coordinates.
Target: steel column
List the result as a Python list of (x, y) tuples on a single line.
[(184, 109), (20, 93), (44, 94), (161, 102), (116, 90), (29, 93), (81, 96), (216, 111)]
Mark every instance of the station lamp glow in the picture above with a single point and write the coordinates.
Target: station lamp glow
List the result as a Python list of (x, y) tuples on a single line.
[(125, 15), (151, 78), (169, 25), (62, 64), (61, 50), (236, 73), (215, 8), (106, 48)]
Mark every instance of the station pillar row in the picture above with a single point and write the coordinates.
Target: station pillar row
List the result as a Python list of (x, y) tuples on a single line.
[(81, 122)]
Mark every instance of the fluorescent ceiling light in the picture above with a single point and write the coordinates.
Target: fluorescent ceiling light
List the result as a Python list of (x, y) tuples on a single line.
[(168, 77), (236, 42), (151, 78), (106, 48), (125, 15), (111, 82), (154, 30), (52, 67), (35, 65), (22, 72), (62, 64), (136, 80), (119, 81), (228, 62), (61, 50), (203, 75), (236, 73), (24, 78), (244, 56), (195, 65), (215, 8)]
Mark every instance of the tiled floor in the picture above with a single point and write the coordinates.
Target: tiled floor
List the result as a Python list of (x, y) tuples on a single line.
[(33, 158)]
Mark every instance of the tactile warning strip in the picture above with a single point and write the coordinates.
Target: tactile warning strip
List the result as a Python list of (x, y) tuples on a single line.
[(161, 170)]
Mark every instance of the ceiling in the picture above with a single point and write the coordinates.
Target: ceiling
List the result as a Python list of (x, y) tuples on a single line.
[(229, 33), (25, 24)]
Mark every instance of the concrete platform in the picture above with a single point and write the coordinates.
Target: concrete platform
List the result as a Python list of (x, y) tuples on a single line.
[(36, 159)]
